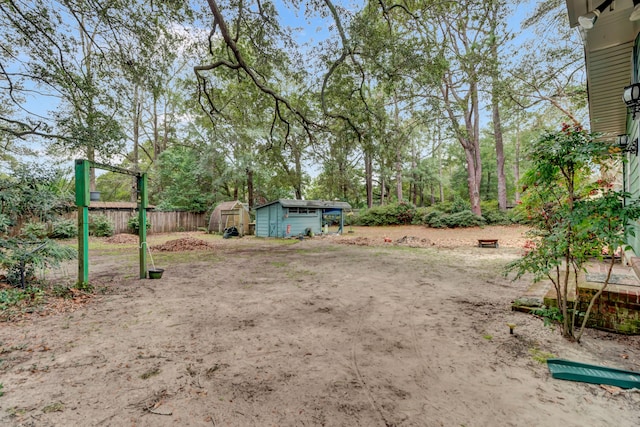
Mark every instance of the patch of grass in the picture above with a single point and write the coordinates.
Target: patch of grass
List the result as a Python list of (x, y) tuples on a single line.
[(53, 407), (309, 251), (278, 263), (540, 356), (306, 273), (487, 337), (85, 287), (61, 291), (16, 412), (166, 258), (150, 373), (1, 389)]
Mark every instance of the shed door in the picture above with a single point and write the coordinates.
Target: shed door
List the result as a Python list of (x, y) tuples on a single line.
[(273, 221)]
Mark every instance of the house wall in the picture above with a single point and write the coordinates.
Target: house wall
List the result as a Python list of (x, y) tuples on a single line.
[(616, 310), (632, 167)]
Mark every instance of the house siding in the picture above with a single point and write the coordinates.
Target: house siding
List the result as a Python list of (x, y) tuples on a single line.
[(632, 166)]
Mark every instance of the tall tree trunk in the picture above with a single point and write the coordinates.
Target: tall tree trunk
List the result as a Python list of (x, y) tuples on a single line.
[(165, 131), (137, 111), (474, 176), (298, 172), (438, 151), (250, 188), (156, 132), (497, 124), (516, 165), (413, 188), (398, 173), (368, 171), (398, 144), (473, 129)]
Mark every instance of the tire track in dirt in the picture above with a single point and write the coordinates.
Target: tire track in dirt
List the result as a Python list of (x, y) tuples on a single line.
[(356, 368)]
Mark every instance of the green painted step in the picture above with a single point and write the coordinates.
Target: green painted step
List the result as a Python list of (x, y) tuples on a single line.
[(575, 371)]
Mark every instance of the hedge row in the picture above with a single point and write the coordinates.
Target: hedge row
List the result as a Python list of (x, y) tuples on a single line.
[(446, 215)]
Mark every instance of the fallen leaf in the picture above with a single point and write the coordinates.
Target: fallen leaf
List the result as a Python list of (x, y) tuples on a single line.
[(611, 388)]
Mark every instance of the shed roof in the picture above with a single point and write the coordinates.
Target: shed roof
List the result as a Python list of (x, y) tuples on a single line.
[(318, 204), (230, 205)]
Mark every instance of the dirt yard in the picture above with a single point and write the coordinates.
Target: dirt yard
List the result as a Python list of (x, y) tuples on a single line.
[(331, 331)]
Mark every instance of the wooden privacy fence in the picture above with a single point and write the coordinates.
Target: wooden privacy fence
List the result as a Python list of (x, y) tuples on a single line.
[(165, 222), (161, 222)]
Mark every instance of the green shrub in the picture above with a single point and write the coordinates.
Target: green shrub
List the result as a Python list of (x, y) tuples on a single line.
[(459, 205), (435, 219), (21, 258), (5, 223), (496, 217), (133, 224), (35, 230), (64, 229), (421, 213), (394, 214), (464, 219), (100, 226), (438, 219), (13, 296)]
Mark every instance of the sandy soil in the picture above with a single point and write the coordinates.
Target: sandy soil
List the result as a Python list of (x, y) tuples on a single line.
[(255, 332)]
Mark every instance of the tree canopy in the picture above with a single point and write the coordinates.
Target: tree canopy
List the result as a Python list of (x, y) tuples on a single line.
[(254, 100)]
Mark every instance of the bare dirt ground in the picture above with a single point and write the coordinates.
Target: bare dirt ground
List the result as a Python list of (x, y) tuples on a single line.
[(257, 332)]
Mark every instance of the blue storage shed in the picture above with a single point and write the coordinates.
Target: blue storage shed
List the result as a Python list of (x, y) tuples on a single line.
[(285, 218)]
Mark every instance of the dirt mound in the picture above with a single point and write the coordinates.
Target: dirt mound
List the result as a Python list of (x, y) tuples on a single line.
[(358, 241), (414, 242), (183, 244), (123, 238)]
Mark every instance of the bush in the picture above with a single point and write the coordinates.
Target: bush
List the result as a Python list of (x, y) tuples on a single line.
[(5, 223), (464, 219), (64, 229), (133, 224), (496, 217), (459, 205), (438, 219), (435, 219), (394, 214), (13, 297), (22, 258), (35, 230), (100, 226)]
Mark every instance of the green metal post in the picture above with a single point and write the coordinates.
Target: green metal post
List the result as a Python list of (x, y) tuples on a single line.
[(142, 221), (82, 202), (83, 245)]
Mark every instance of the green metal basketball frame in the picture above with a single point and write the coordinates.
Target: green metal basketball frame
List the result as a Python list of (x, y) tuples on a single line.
[(82, 202)]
